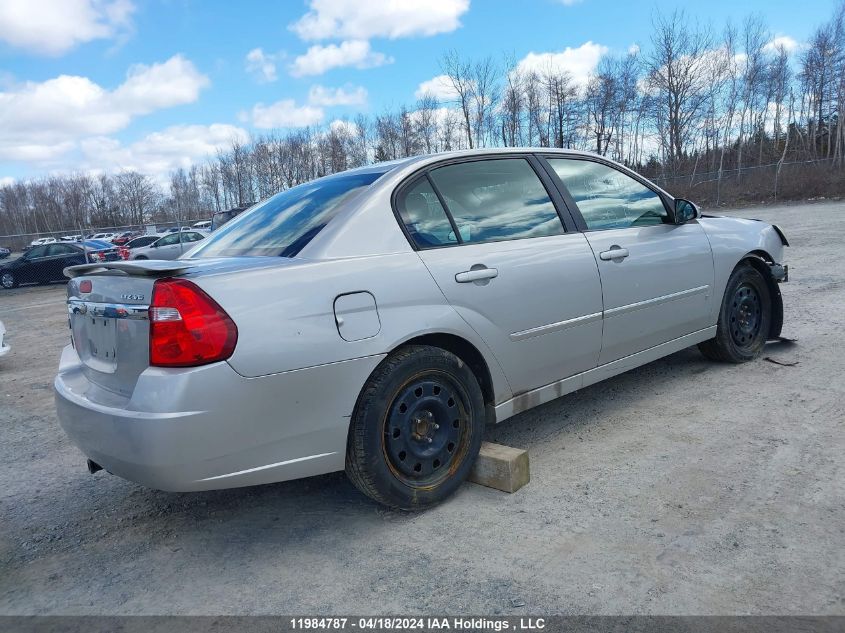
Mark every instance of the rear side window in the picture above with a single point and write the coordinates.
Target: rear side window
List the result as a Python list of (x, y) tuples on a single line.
[(607, 197), (424, 216), (283, 225), (495, 200)]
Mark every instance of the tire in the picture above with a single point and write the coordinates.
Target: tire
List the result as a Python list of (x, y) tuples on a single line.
[(8, 280), (744, 318), (141, 257), (416, 429)]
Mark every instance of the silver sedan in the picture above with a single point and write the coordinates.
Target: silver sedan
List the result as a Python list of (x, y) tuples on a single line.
[(375, 320), (169, 246)]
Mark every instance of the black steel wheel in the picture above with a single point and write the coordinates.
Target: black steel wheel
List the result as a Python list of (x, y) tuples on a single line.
[(426, 428), (745, 315), (744, 318), (417, 428)]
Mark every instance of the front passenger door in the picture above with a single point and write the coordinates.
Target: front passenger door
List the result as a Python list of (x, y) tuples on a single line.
[(657, 277), (167, 247)]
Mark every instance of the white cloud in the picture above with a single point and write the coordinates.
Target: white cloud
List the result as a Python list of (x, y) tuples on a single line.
[(7, 181), (285, 113), (319, 59), (578, 62), (43, 120), (784, 42), (261, 65), (439, 87), (160, 152), (53, 27), (345, 96), (634, 49), (354, 19)]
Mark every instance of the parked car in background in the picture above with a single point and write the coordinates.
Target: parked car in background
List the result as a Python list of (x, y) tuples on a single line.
[(222, 217), (108, 237), (137, 242), (170, 246), (4, 252), (377, 319), (4, 347), (40, 241), (203, 225), (70, 238), (122, 238), (46, 263)]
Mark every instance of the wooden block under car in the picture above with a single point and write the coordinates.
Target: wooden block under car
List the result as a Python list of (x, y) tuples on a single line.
[(501, 467)]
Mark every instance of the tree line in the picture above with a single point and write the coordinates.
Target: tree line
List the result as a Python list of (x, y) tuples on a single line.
[(694, 100)]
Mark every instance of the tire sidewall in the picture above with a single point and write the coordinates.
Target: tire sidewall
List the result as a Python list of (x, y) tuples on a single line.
[(371, 413), (746, 275)]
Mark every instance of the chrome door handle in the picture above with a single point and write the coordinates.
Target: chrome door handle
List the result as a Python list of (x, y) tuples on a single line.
[(476, 274), (614, 253)]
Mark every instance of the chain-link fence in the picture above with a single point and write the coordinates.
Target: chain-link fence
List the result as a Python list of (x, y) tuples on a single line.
[(759, 183), (40, 258)]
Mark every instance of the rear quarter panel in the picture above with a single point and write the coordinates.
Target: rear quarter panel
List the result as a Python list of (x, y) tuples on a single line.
[(286, 320)]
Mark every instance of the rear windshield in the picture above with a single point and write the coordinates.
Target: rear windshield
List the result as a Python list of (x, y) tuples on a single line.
[(281, 226)]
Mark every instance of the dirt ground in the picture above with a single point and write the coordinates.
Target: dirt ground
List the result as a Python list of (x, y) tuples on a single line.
[(684, 487)]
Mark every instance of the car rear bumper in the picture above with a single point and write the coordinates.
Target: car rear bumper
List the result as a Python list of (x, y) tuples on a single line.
[(209, 427)]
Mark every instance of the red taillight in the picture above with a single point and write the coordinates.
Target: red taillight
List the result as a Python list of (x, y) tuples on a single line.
[(124, 252), (187, 327), (85, 286)]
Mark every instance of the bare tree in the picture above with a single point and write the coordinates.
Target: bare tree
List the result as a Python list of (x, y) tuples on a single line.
[(677, 73)]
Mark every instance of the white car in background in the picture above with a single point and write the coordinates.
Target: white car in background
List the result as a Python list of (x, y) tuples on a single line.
[(170, 246), (4, 349), (43, 240), (108, 237)]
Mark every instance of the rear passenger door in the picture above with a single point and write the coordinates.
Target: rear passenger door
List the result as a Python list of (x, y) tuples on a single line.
[(493, 238), (62, 256), (657, 277)]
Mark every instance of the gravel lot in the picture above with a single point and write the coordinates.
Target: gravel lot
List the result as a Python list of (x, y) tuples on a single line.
[(684, 487)]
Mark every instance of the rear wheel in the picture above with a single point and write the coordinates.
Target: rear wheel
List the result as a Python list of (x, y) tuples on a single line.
[(744, 319), (8, 281), (417, 428)]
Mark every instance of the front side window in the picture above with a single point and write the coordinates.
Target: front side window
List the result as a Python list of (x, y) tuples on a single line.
[(60, 249), (283, 225), (608, 198), (494, 200), (171, 239)]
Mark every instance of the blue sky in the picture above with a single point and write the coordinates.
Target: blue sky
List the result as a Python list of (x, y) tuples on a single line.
[(156, 84)]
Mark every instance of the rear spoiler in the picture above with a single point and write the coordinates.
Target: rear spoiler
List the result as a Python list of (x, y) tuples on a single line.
[(141, 268)]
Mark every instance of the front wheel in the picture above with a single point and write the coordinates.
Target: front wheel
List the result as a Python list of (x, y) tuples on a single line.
[(8, 281), (417, 428), (744, 318)]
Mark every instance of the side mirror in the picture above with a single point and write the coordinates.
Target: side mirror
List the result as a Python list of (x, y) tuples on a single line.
[(685, 211)]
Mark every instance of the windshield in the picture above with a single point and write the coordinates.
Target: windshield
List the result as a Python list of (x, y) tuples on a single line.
[(282, 225)]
